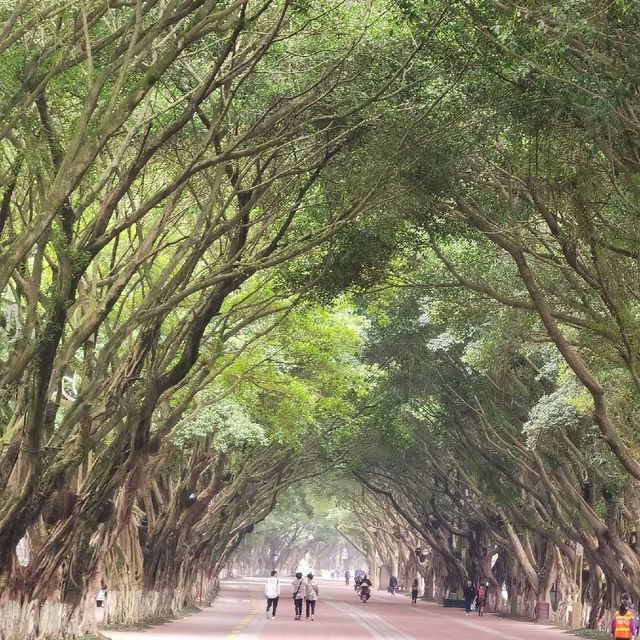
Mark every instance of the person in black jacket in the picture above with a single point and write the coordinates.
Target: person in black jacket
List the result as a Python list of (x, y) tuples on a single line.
[(414, 592), (299, 587), (469, 594)]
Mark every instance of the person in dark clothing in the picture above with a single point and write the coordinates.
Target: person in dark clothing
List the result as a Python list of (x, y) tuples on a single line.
[(347, 577), (469, 595), (414, 592), (299, 589), (393, 585)]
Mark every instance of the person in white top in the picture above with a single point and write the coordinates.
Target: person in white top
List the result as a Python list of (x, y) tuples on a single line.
[(272, 591)]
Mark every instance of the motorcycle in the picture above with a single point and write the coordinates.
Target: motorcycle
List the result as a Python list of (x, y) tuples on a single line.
[(365, 592)]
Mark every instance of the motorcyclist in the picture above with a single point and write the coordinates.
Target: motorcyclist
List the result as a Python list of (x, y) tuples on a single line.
[(365, 589)]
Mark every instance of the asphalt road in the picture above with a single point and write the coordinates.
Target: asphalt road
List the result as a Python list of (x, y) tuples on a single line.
[(238, 614)]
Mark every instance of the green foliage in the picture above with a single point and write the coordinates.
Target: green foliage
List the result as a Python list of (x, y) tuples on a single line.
[(303, 376), (229, 425), (554, 411), (397, 235)]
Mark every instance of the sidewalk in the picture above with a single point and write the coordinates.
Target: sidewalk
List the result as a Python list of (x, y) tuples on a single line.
[(234, 614)]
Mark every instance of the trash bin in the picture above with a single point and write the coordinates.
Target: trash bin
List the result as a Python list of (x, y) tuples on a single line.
[(542, 612)]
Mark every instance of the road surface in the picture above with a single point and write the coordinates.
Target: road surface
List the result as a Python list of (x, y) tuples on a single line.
[(238, 614)]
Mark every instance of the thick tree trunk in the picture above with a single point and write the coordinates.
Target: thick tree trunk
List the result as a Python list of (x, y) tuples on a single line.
[(49, 619)]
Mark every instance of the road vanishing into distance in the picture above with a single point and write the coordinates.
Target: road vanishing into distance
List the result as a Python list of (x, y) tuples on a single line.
[(239, 614)]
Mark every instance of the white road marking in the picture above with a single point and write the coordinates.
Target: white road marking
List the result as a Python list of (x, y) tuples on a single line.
[(491, 632), (374, 624)]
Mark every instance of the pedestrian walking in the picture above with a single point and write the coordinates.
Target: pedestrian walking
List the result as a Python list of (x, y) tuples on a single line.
[(393, 585), (469, 595), (623, 624), (272, 591), (481, 598), (347, 577), (631, 607), (298, 595), (414, 592), (311, 594)]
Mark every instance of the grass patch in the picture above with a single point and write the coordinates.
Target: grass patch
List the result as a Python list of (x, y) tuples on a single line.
[(590, 633), (135, 626)]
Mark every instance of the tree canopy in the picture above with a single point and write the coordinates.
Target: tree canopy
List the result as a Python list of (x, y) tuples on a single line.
[(385, 247)]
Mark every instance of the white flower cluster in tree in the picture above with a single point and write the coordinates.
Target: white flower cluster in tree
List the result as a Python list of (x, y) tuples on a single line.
[(12, 324)]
